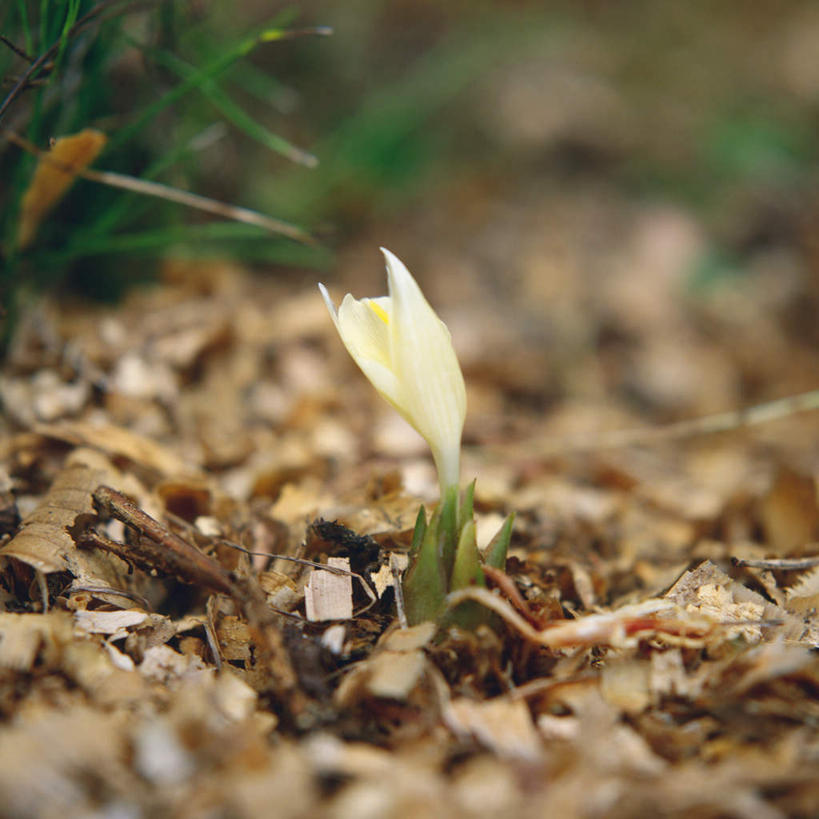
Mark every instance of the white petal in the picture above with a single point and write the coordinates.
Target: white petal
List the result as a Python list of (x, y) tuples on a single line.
[(406, 352), (363, 331), (366, 337), (424, 361), (385, 381)]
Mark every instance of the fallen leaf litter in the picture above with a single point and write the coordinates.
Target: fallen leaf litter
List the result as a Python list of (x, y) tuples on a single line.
[(159, 655)]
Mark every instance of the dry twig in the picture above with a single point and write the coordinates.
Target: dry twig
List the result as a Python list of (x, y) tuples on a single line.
[(158, 548), (146, 187), (706, 425), (791, 564)]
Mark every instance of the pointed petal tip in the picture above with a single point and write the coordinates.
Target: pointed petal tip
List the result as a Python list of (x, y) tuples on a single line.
[(331, 308), (398, 276), (391, 259), (327, 300)]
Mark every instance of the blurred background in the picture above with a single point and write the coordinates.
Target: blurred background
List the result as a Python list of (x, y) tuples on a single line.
[(610, 202)]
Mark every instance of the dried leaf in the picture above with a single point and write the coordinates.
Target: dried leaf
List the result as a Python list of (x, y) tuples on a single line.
[(333, 638), (234, 639), (163, 664), (44, 758), (55, 173), (118, 441), (668, 677), (385, 577), (282, 592), (91, 667), (44, 540), (409, 639), (772, 660)]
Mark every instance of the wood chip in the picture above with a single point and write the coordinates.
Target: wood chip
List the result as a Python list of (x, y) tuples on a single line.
[(109, 622), (329, 596), (22, 636), (711, 592), (504, 726), (626, 685)]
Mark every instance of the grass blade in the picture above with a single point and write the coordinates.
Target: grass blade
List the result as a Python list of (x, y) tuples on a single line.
[(192, 82), (233, 112)]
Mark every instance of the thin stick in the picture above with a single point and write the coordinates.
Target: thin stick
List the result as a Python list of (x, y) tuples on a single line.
[(398, 588), (160, 191), (159, 549), (785, 564), (706, 425), (128, 595), (16, 49), (211, 636)]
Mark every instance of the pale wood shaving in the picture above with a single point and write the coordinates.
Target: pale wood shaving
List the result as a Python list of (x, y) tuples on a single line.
[(501, 725), (329, 596)]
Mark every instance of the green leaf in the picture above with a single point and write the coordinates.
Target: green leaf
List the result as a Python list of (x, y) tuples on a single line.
[(466, 510), (262, 86), (465, 573), (447, 537), (467, 569), (418, 532), (424, 584), (128, 206), (495, 554)]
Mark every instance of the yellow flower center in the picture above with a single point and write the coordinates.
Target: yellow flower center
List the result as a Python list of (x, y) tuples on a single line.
[(379, 311)]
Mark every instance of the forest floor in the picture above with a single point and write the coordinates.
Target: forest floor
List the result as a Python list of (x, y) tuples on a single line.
[(652, 652)]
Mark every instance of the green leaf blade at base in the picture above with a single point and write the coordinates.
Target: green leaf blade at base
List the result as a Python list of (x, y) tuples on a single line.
[(447, 536), (467, 569), (498, 548), (425, 582)]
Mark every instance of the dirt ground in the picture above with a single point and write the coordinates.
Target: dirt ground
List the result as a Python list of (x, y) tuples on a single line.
[(641, 661)]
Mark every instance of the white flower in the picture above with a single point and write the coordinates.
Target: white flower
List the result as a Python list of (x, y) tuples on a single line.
[(406, 352)]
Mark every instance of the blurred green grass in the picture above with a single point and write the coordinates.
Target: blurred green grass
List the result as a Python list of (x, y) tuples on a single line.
[(121, 74), (673, 104)]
